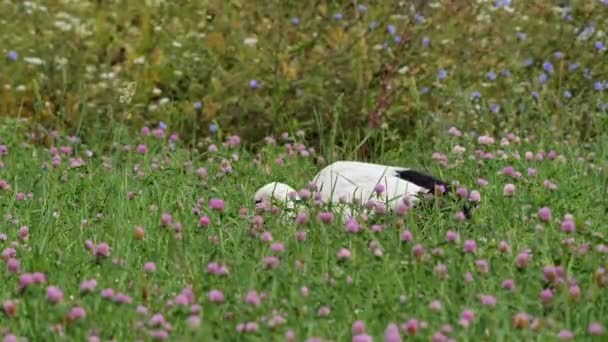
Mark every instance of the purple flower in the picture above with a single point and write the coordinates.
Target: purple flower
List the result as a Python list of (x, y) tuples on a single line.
[(88, 285), (548, 67), (391, 29), (534, 95), (13, 55), (77, 313), (559, 55), (54, 294), (502, 3), (426, 41), (506, 73), (213, 128), (142, 149), (599, 86), (491, 75), (565, 335), (326, 217), (391, 334), (596, 329), (442, 74), (406, 236), (198, 105), (470, 246), (495, 108), (542, 79), (362, 8), (451, 236), (217, 204), (216, 296), (573, 66), (338, 16), (254, 84), (475, 95), (544, 214), (373, 25), (162, 125), (600, 46), (528, 62), (295, 20), (522, 36)]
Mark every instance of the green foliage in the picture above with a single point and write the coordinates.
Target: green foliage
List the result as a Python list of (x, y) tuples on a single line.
[(179, 53)]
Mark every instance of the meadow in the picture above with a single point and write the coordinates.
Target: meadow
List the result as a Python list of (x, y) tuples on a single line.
[(134, 135)]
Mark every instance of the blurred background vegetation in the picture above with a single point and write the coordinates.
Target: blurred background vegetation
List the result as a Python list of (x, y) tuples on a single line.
[(352, 68)]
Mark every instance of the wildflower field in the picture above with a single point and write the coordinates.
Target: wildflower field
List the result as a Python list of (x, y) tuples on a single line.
[(133, 135)]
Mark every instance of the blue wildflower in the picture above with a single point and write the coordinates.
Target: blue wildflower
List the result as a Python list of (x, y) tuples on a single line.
[(558, 55), (254, 84), (442, 74), (198, 105), (534, 95), (426, 41), (475, 95), (573, 66), (502, 3), (373, 25), (362, 8), (567, 94), (424, 90), (522, 35), (13, 55), (491, 75), (600, 46), (213, 128), (391, 29), (295, 20), (338, 16), (548, 67), (495, 108), (598, 86), (162, 125), (543, 78), (506, 73), (528, 62)]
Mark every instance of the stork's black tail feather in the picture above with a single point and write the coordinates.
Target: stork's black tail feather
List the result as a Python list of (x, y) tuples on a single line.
[(429, 182)]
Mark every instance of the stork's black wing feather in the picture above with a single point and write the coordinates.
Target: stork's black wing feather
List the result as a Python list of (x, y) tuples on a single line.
[(422, 180), (429, 182)]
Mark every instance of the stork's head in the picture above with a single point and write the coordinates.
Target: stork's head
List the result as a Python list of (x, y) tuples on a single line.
[(274, 190)]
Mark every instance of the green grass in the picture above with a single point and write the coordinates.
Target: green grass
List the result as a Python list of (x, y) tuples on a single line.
[(366, 287)]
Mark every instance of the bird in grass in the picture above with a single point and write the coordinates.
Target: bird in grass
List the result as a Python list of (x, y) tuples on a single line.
[(358, 183)]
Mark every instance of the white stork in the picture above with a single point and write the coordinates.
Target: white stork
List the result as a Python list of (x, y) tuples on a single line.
[(357, 183)]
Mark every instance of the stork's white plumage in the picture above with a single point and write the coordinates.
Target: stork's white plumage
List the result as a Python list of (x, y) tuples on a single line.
[(355, 182)]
